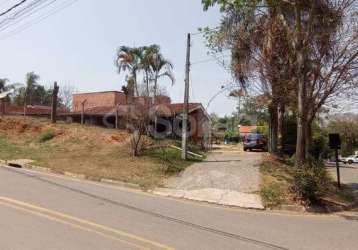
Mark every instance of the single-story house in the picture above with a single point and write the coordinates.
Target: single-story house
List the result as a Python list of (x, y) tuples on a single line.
[(111, 109)]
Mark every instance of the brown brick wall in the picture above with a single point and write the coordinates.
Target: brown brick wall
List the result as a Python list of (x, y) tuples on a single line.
[(162, 100), (99, 99)]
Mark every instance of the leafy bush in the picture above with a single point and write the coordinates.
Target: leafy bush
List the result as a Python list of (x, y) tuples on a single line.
[(311, 180), (46, 136), (291, 161), (264, 130), (319, 148)]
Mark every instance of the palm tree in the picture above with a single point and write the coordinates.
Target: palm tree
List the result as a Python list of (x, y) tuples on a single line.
[(31, 84), (161, 67), (129, 59), (146, 61), (6, 89), (3, 82)]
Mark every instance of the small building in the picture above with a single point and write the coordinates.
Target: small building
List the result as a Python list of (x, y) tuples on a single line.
[(246, 130), (111, 109), (97, 99)]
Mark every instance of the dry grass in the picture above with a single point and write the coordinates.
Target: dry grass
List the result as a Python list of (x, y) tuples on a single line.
[(278, 187), (94, 151), (276, 183)]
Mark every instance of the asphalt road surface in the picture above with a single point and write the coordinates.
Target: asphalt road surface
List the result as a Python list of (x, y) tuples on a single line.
[(44, 211)]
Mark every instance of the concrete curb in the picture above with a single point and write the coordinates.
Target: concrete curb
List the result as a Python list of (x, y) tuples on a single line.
[(76, 176), (215, 196), (181, 194)]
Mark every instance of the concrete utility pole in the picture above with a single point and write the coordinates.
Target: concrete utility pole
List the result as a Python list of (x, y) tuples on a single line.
[(54, 103), (186, 101)]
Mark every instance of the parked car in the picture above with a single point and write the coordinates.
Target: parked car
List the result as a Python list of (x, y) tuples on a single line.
[(350, 159), (255, 141)]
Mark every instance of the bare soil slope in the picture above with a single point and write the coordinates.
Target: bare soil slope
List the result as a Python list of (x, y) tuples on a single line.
[(99, 152)]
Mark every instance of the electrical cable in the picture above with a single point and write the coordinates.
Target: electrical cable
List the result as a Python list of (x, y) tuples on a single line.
[(24, 13), (38, 19), (13, 7)]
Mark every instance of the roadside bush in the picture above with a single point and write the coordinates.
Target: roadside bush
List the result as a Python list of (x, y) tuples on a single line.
[(46, 136), (291, 161), (319, 148), (311, 181), (264, 130)]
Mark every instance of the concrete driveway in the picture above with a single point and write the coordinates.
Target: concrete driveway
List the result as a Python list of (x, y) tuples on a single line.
[(238, 171), (228, 176)]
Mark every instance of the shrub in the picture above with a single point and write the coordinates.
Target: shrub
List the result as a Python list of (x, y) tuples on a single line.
[(46, 136), (311, 180), (264, 130)]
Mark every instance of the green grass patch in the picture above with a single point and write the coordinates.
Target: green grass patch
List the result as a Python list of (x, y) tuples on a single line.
[(46, 136), (10, 151), (272, 194), (171, 158), (275, 184)]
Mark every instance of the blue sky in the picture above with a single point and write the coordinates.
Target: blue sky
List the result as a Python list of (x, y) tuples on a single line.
[(77, 46)]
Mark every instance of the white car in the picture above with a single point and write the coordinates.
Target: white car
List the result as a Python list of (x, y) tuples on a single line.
[(350, 159)]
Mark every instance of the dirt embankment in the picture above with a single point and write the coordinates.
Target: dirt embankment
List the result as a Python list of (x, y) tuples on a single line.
[(92, 151), (18, 129)]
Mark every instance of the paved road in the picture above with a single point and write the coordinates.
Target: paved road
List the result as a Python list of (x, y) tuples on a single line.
[(349, 174), (39, 211)]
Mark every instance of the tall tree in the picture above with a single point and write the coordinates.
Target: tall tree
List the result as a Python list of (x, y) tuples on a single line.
[(31, 81), (3, 83), (148, 53), (161, 67), (259, 43), (4, 86), (321, 41), (130, 59)]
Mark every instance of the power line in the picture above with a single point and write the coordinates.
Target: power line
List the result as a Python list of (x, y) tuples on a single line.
[(13, 7), (38, 19), (209, 60), (23, 13)]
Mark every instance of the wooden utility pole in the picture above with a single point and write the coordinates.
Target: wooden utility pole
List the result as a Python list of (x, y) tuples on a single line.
[(83, 112), (54, 103), (117, 118), (186, 101)]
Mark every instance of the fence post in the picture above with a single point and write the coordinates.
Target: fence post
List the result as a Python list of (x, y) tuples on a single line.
[(54, 103)]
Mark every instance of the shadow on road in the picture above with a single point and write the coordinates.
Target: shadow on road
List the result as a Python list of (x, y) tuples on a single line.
[(350, 217)]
